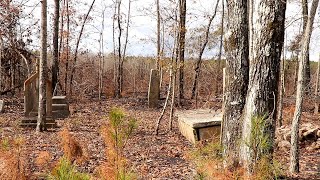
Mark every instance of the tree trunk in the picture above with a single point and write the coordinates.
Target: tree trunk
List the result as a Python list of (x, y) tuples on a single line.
[(1, 50), (316, 94), (42, 69), (267, 41), (119, 68), (55, 62), (237, 75), (182, 35), (281, 90), (158, 35), (67, 49), (294, 152), (203, 47), (304, 4), (77, 46)]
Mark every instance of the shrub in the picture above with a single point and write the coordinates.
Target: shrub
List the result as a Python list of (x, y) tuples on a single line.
[(116, 136), (66, 171), (12, 164), (71, 148)]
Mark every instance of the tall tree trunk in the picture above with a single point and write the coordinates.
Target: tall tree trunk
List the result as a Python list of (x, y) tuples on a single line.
[(316, 91), (281, 89), (182, 35), (304, 4), (118, 78), (55, 62), (237, 76), (67, 49), (203, 47), (42, 69), (267, 41), (77, 46), (294, 152), (158, 35), (1, 50)]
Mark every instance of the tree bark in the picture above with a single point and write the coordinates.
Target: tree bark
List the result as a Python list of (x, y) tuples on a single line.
[(267, 41), (42, 69), (304, 4), (55, 62), (119, 68), (237, 75), (294, 151), (316, 94), (67, 49), (281, 90), (182, 35), (158, 35)]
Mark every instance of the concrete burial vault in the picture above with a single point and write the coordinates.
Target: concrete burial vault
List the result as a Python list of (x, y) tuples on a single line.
[(200, 124)]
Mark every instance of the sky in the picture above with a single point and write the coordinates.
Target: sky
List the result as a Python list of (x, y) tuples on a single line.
[(142, 30)]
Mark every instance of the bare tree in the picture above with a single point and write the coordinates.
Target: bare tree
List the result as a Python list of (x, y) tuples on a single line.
[(203, 47), (121, 52), (294, 152), (237, 75), (42, 69), (77, 45)]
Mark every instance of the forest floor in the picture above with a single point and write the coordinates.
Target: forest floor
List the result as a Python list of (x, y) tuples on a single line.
[(153, 157)]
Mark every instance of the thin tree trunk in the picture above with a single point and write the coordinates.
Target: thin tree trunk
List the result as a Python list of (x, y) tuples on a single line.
[(182, 35), (281, 89), (77, 46), (125, 47), (114, 53), (42, 69), (118, 89), (304, 4), (203, 47), (294, 152), (1, 50), (158, 35), (55, 62), (218, 74), (316, 104), (67, 49), (267, 41), (237, 75), (165, 104)]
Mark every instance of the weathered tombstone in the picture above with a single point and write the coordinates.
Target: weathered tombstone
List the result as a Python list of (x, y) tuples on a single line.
[(154, 89), (31, 96), (1, 106)]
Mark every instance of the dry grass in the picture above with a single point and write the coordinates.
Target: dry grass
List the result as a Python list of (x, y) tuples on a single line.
[(71, 148), (43, 159), (11, 163)]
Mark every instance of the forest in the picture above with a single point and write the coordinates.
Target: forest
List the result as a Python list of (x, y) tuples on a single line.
[(159, 89)]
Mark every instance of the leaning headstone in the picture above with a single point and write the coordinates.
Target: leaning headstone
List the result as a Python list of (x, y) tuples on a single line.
[(1, 106), (154, 89)]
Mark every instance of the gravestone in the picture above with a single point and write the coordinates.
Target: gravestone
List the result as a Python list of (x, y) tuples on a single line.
[(1, 106), (31, 96), (200, 124), (154, 89)]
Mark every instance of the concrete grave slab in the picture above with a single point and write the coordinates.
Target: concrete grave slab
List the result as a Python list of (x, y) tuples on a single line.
[(200, 124)]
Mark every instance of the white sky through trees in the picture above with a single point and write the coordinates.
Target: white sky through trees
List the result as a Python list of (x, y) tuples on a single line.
[(142, 31)]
